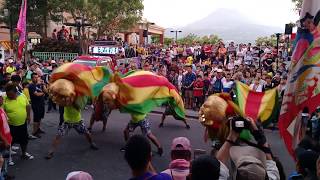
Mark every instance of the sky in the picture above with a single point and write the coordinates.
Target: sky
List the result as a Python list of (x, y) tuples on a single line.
[(178, 13)]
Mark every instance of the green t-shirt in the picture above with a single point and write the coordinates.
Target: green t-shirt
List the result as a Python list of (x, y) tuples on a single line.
[(137, 118), (71, 115), (16, 110)]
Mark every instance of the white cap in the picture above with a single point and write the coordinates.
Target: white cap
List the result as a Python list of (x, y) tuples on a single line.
[(267, 51), (219, 70), (53, 62), (11, 61)]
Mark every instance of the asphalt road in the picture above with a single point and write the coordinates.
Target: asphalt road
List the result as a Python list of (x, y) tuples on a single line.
[(108, 163)]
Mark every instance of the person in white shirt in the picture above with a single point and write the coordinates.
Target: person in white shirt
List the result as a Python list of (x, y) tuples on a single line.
[(248, 57), (256, 85), (217, 82), (227, 85), (231, 64)]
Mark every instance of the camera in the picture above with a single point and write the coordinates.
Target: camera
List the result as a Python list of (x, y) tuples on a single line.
[(239, 123)]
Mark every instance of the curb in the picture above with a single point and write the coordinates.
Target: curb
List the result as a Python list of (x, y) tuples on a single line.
[(187, 116)]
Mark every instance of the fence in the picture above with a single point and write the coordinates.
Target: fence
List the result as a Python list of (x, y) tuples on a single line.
[(54, 55)]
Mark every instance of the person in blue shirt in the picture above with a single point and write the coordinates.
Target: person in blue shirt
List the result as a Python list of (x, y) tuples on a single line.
[(138, 156), (187, 84)]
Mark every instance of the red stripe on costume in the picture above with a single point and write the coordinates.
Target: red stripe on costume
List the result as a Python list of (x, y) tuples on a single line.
[(147, 81), (253, 103)]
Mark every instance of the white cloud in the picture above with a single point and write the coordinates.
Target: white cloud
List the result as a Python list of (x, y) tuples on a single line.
[(176, 13)]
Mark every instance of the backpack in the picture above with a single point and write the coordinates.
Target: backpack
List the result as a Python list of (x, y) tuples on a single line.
[(217, 86)]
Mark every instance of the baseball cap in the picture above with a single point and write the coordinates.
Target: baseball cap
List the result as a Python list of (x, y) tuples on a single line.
[(11, 61), (181, 143), (79, 175), (53, 62), (249, 161)]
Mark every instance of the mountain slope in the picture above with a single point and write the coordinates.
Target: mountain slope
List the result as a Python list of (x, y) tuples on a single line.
[(229, 25)]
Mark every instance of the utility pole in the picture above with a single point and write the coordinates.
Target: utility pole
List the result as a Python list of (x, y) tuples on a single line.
[(80, 23), (277, 60), (176, 31), (148, 24)]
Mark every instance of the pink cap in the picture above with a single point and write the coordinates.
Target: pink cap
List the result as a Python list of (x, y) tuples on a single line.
[(181, 143), (79, 175)]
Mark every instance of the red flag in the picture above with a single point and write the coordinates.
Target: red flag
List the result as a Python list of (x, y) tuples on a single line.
[(22, 27), (302, 90)]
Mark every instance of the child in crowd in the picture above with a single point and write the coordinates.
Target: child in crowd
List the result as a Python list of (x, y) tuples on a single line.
[(198, 91)]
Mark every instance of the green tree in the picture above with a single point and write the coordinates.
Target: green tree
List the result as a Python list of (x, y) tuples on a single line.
[(38, 13), (270, 41), (192, 38), (155, 39), (211, 39), (189, 39), (168, 41), (113, 16)]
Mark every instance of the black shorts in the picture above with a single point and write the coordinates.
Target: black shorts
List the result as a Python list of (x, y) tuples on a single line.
[(38, 112), (170, 111), (19, 134)]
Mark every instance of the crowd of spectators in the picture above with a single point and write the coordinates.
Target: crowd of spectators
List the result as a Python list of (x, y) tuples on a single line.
[(201, 70), (197, 71)]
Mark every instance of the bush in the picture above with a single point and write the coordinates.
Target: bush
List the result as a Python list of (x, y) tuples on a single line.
[(49, 45)]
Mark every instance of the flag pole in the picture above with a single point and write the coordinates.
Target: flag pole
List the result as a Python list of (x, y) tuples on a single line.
[(21, 29), (26, 39)]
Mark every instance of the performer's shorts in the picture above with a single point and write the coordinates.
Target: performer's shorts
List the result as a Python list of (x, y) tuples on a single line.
[(144, 126), (65, 127), (170, 111), (19, 134), (38, 112)]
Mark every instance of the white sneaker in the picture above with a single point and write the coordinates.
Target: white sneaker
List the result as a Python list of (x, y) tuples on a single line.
[(13, 152), (11, 163), (15, 148), (27, 156), (32, 136)]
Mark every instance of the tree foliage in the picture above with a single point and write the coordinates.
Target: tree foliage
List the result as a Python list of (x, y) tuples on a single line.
[(267, 40), (38, 13), (192, 38), (57, 46), (168, 41), (112, 16), (108, 16)]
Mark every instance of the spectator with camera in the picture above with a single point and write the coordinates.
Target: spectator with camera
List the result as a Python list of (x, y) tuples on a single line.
[(252, 161)]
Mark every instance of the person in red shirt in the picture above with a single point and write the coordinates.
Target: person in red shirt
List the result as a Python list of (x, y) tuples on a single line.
[(198, 91), (5, 135)]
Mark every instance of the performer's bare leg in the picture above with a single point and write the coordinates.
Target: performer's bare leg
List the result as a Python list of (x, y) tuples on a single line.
[(162, 120), (89, 138), (126, 134), (187, 125), (156, 142), (91, 122), (104, 126), (54, 146)]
